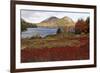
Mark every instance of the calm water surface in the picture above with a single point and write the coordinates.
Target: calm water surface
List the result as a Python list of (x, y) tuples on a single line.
[(42, 32)]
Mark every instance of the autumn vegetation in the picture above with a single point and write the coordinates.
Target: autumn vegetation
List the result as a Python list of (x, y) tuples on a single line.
[(25, 25), (62, 46), (82, 26)]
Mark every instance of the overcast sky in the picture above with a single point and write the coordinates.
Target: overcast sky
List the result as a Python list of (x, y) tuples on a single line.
[(34, 16)]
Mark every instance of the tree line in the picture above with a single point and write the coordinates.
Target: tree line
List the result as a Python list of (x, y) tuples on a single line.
[(25, 25), (82, 26)]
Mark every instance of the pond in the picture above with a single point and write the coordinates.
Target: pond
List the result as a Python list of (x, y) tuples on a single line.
[(40, 31)]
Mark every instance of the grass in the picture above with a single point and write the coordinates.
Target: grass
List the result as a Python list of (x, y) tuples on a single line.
[(55, 48), (51, 41)]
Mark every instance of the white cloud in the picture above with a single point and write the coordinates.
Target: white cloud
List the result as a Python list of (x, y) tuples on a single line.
[(38, 16)]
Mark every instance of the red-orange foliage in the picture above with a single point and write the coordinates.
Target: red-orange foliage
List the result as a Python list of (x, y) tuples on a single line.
[(57, 54), (82, 26)]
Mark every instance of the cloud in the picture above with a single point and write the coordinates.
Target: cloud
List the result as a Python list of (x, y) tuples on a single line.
[(38, 16)]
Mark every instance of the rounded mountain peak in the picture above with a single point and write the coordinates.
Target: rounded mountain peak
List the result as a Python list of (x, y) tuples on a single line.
[(68, 19), (51, 19)]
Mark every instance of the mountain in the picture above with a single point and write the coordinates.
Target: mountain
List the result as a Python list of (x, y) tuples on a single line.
[(49, 22), (51, 19), (57, 22), (65, 21)]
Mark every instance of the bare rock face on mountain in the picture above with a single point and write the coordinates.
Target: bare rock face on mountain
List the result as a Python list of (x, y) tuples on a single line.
[(56, 22), (49, 20), (65, 23)]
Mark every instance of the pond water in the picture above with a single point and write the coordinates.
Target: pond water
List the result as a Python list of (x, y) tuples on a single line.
[(40, 31)]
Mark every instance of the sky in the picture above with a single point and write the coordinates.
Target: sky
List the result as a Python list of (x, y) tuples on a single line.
[(36, 16)]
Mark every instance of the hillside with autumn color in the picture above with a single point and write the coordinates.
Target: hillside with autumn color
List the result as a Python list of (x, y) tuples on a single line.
[(71, 42)]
